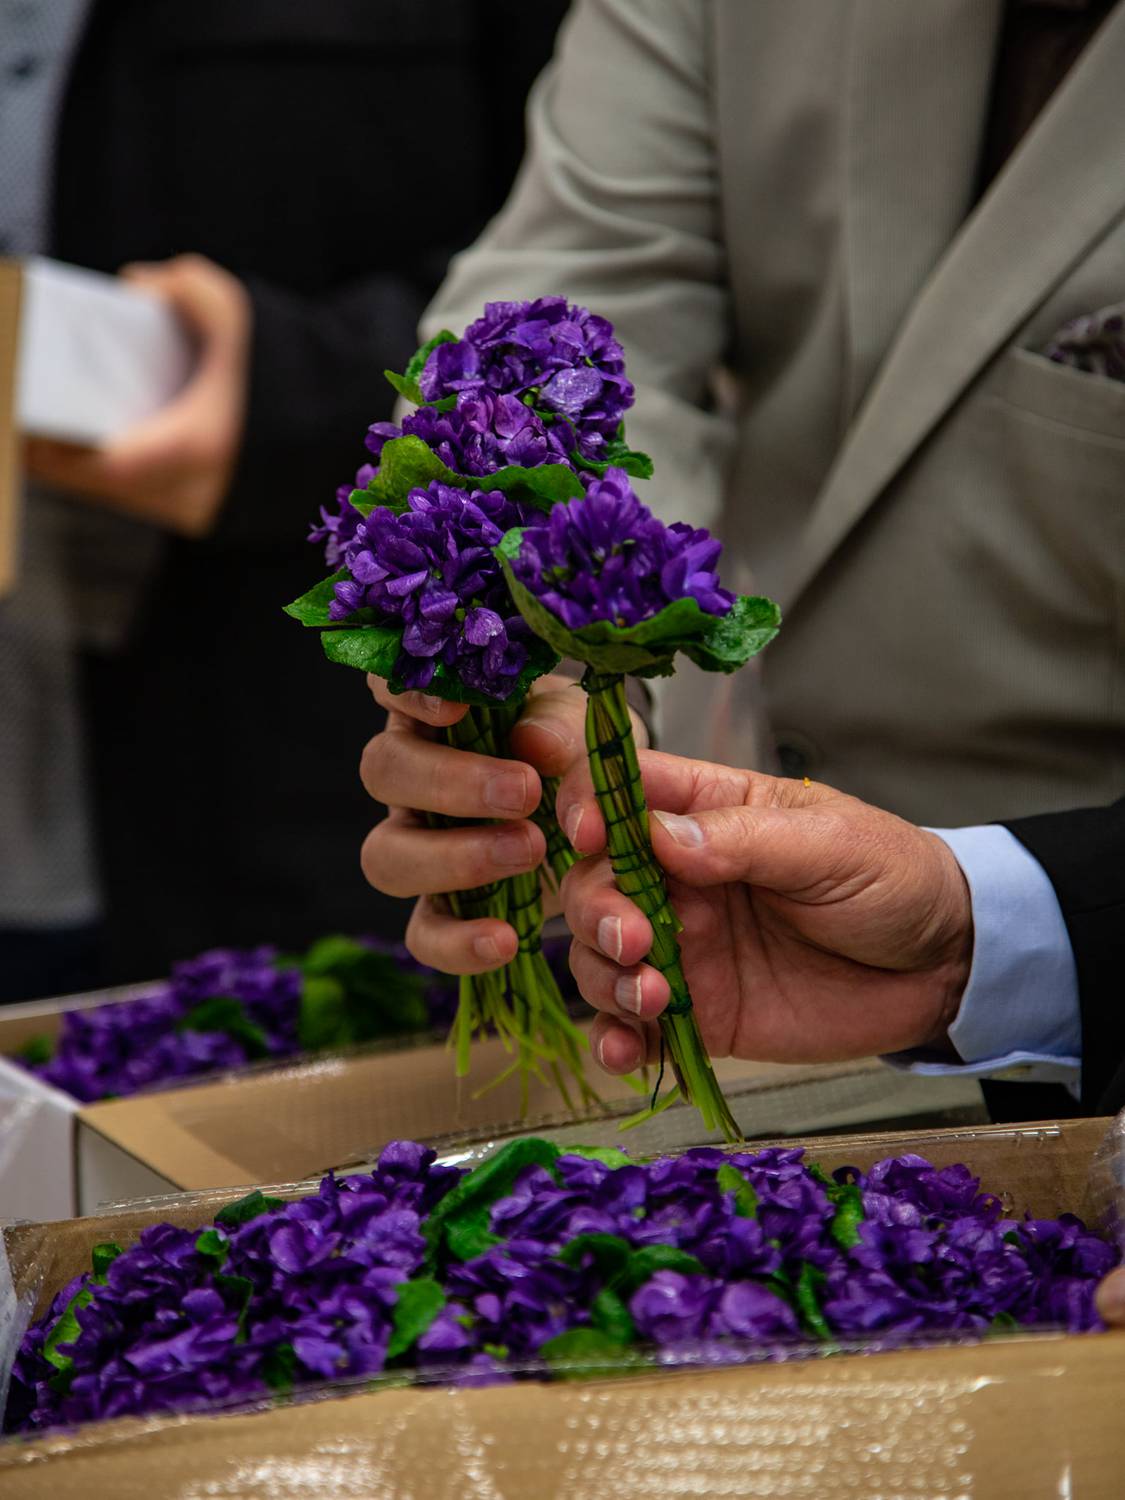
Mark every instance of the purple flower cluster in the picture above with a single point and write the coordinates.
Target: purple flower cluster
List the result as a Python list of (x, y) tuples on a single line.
[(222, 1010), (607, 557), (562, 361), (483, 432), (119, 1049), (336, 529), (432, 569), (302, 1291), (709, 1255)]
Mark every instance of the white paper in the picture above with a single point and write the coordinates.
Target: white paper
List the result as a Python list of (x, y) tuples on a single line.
[(95, 355)]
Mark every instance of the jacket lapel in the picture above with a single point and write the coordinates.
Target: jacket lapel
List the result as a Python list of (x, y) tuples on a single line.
[(1059, 192)]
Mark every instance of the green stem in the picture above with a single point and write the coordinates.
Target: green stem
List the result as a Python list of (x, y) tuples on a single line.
[(619, 790), (560, 855), (520, 1002)]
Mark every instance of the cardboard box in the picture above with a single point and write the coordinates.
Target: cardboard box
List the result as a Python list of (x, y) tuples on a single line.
[(285, 1122), (1023, 1418), (82, 357)]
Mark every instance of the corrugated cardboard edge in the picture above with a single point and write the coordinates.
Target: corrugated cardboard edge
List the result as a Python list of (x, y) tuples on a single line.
[(11, 503)]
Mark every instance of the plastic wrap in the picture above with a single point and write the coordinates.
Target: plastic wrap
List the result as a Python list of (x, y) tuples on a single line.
[(1027, 1415)]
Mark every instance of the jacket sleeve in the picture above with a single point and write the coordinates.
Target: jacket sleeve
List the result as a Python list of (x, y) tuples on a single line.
[(315, 384), (617, 207), (1083, 853)]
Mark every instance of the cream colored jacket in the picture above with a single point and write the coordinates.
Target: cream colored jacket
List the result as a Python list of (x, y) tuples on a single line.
[(772, 200)]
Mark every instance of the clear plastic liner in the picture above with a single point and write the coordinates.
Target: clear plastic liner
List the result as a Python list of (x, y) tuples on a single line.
[(690, 1422)]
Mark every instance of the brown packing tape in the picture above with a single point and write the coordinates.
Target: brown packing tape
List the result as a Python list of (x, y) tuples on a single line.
[(1018, 1419), (11, 500)]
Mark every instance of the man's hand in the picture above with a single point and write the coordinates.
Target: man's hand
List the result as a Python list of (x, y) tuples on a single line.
[(407, 768), (815, 927), (174, 468)]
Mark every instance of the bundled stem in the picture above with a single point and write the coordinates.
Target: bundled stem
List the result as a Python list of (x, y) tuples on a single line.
[(521, 1002), (620, 793)]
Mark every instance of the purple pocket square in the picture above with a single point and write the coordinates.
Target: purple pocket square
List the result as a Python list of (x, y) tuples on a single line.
[(1094, 342)]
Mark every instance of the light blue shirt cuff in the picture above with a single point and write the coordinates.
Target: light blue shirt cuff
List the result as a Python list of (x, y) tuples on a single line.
[(1019, 1016)]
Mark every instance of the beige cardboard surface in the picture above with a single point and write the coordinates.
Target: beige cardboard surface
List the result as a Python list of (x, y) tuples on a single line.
[(10, 493), (286, 1123), (1018, 1419)]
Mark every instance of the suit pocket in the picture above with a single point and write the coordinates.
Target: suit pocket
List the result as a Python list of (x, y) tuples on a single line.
[(1061, 394)]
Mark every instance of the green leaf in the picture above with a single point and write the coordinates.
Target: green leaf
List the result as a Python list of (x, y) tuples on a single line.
[(469, 1235), (405, 464), (65, 1331), (323, 1017), (731, 1180), (645, 1263), (497, 1351), (1002, 1322), (224, 1014), (581, 1353), (279, 1369), (312, 608), (646, 650), (368, 648), (732, 639), (213, 1245), (618, 456), (849, 1215), (806, 1296), (482, 1187), (610, 1252), (405, 387), (242, 1210), (419, 1303), (36, 1051), (418, 359), (609, 1156), (544, 486), (102, 1257), (352, 993), (609, 1315)]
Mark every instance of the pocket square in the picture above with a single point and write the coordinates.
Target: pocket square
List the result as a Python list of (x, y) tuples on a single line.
[(1094, 342)]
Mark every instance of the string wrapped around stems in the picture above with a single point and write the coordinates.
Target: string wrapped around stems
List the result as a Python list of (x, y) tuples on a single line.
[(620, 795)]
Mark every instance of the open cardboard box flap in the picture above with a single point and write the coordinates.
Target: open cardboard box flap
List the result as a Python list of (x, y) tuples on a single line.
[(1025, 1417)]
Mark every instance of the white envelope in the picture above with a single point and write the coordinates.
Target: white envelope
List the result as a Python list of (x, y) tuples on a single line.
[(94, 354)]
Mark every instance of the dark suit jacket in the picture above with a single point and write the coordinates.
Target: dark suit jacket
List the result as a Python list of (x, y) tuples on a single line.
[(333, 154), (1083, 853)]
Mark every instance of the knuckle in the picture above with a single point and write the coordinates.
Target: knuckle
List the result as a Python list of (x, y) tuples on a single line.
[(380, 868)]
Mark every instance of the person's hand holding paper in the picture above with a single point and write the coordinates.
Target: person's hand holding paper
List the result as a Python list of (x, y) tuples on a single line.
[(173, 466)]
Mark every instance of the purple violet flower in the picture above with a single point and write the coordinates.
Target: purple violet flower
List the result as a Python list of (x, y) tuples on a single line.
[(607, 557), (432, 568), (560, 360)]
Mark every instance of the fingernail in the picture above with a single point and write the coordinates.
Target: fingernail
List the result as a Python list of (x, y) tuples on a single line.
[(487, 950), (573, 823), (431, 704), (506, 791), (599, 1050), (627, 993), (512, 849), (609, 937), (685, 831)]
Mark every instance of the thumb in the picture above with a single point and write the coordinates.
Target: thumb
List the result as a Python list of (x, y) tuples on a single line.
[(550, 734), (800, 852), (210, 302)]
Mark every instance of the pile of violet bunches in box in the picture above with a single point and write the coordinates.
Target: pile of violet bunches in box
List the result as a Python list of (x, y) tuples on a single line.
[(232, 1007), (539, 1261)]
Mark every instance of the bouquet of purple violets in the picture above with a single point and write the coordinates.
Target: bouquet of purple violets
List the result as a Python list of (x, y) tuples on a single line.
[(497, 534), (605, 582), (544, 1261), (511, 418)]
